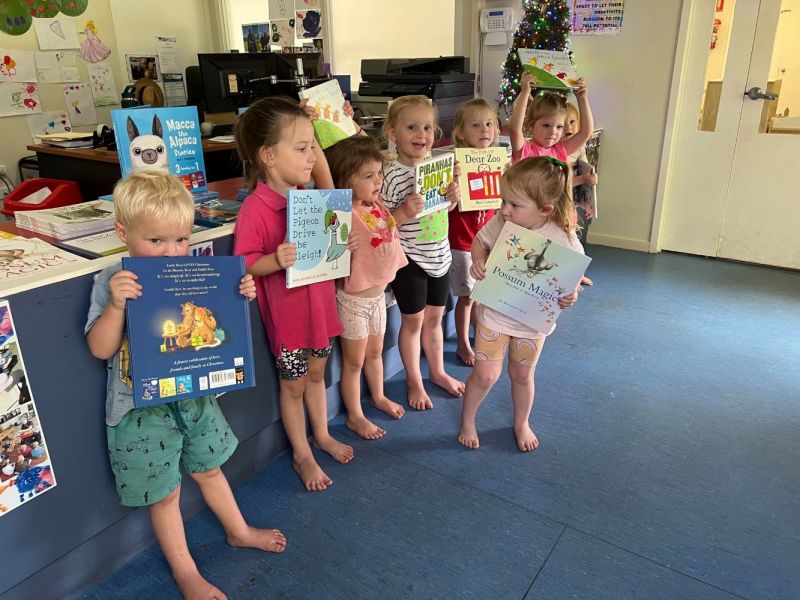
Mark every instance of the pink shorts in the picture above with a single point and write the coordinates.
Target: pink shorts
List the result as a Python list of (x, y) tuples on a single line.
[(361, 317)]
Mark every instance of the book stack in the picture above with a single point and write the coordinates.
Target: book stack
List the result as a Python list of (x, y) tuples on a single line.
[(68, 222), (27, 257), (216, 212)]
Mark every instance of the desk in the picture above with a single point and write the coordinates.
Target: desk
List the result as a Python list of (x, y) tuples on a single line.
[(97, 170)]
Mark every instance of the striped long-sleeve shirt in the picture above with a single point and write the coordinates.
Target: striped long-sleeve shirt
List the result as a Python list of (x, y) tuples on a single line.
[(423, 240)]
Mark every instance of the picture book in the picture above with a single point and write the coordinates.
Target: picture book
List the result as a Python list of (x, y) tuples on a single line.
[(526, 273), (552, 69), (481, 170), (213, 213), (189, 331), (27, 257), (333, 125), (165, 139), (432, 179), (65, 222), (104, 243), (318, 223), (26, 468)]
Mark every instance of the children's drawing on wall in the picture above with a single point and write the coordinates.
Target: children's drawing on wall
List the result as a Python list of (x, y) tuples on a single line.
[(16, 17), (25, 465), (92, 48), (54, 121), (281, 9), (282, 33), (80, 104), (19, 99), (305, 4), (308, 24), (17, 65), (57, 67), (101, 80), (56, 34)]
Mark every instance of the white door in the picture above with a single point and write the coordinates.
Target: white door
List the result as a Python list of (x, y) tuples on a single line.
[(733, 190)]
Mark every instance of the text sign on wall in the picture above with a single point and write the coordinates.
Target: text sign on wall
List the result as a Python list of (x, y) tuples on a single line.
[(598, 17)]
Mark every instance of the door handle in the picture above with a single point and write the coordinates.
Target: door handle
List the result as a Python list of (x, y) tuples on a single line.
[(755, 93)]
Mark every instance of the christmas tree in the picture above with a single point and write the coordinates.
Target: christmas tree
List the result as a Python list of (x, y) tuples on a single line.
[(545, 26)]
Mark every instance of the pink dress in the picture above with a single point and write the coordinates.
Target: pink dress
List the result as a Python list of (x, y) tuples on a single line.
[(92, 49), (530, 148)]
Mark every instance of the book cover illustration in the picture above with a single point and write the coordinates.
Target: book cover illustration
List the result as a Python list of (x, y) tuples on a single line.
[(69, 221), (26, 468), (333, 125), (27, 257), (166, 139), (189, 331), (552, 69), (432, 179), (318, 223), (216, 212), (526, 273), (481, 170)]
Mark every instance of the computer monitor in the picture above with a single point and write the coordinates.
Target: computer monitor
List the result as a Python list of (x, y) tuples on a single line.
[(231, 81)]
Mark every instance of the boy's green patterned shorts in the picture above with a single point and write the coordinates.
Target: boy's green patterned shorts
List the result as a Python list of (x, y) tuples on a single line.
[(151, 446)]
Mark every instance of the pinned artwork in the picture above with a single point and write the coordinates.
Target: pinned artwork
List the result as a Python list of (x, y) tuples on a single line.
[(80, 104), (56, 34), (25, 463), (308, 24), (54, 121), (282, 33), (101, 80), (17, 65), (57, 67), (256, 37), (306, 4), (281, 9), (16, 16), (19, 99), (92, 48)]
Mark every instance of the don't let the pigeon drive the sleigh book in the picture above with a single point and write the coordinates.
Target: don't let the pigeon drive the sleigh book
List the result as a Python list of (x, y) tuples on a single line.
[(162, 139), (318, 225), (189, 331), (526, 273)]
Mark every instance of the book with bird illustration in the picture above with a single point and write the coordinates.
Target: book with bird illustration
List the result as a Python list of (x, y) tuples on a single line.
[(553, 69), (526, 273), (332, 125), (318, 224), (189, 332)]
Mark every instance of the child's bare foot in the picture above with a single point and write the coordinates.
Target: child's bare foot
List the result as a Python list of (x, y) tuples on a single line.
[(586, 281), (311, 474), (452, 386), (467, 356), (468, 436), (193, 586), (339, 451), (269, 540), (393, 409), (419, 399), (365, 428), (526, 439)]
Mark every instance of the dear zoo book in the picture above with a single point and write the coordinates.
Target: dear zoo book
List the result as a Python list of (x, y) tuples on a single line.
[(189, 331), (525, 275), (166, 139), (318, 224)]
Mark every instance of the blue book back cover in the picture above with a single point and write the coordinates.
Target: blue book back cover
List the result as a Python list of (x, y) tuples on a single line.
[(166, 139), (189, 331)]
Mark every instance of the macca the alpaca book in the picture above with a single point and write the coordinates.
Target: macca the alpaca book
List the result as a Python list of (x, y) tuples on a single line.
[(166, 139), (318, 223), (189, 332)]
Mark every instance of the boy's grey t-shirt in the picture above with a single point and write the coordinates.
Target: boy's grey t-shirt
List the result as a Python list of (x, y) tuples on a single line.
[(119, 397)]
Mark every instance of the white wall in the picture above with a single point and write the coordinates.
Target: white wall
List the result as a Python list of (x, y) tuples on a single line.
[(241, 12), (786, 57), (629, 77)]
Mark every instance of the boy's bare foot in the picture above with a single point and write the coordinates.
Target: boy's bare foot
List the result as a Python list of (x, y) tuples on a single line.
[(269, 540), (467, 356), (526, 439), (419, 399), (311, 474), (193, 586), (393, 409), (365, 428), (339, 451), (468, 436), (452, 386)]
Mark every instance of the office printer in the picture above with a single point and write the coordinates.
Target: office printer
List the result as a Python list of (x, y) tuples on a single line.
[(445, 80)]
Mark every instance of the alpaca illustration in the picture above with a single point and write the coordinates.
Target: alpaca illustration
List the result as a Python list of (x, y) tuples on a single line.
[(536, 262), (336, 249), (148, 151)]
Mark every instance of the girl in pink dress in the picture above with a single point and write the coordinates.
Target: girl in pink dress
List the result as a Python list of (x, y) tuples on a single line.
[(92, 48)]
